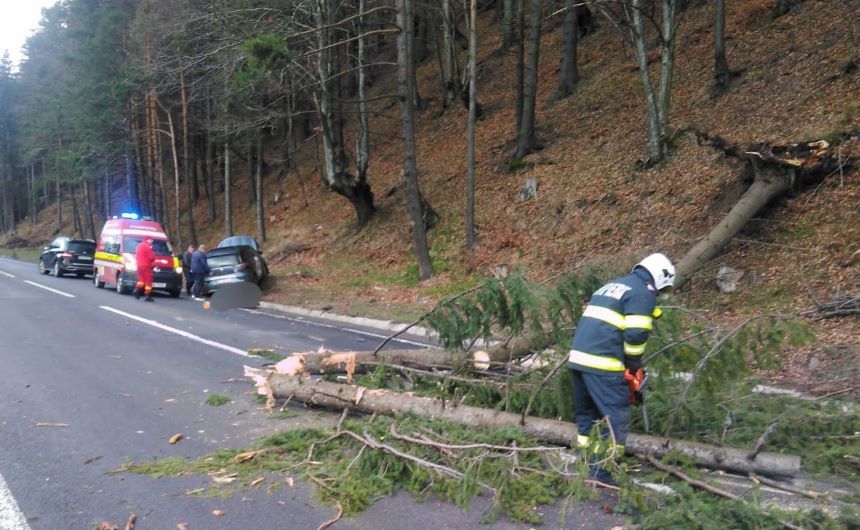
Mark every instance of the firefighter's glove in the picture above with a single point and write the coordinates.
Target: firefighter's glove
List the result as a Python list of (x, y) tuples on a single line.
[(635, 380), (657, 313)]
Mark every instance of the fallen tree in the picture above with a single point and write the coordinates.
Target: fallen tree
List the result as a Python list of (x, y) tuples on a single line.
[(774, 170), (334, 395)]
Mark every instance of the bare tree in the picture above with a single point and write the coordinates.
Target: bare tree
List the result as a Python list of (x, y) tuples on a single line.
[(406, 91), (568, 74), (722, 72), (526, 139), (473, 111)]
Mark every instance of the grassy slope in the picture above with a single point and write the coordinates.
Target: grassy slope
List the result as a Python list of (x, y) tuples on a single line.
[(591, 205)]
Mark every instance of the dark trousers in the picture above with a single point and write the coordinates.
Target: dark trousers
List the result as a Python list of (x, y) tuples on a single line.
[(189, 281), (197, 278), (601, 396)]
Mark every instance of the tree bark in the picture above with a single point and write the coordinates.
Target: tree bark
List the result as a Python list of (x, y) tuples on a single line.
[(258, 187), (568, 75), (765, 188), (175, 178), (470, 134), (337, 176), (406, 80), (722, 73), (450, 79), (507, 23), (655, 134), (519, 38), (334, 395), (187, 174), (228, 204), (526, 140), (362, 151)]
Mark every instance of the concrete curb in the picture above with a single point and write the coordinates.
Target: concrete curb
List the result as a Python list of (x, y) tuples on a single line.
[(382, 325)]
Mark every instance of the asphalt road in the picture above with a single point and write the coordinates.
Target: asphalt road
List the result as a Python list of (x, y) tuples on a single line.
[(91, 380)]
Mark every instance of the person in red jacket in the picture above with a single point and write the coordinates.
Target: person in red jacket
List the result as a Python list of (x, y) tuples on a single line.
[(144, 256)]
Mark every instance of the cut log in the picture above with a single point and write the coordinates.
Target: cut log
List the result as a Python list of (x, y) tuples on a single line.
[(334, 395)]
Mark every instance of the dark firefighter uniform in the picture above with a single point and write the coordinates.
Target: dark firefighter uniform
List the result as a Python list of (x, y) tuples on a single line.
[(610, 337)]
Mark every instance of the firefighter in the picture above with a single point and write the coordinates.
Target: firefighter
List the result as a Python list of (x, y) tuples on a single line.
[(606, 354), (144, 257)]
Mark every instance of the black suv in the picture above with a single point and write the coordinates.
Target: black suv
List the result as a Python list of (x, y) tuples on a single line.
[(67, 255)]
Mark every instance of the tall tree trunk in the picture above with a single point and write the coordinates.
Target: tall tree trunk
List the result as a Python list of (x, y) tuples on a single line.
[(568, 75), (252, 165), (328, 101), (362, 148), (209, 163), (507, 23), (470, 134), (655, 135), (177, 204), (520, 39), (526, 140), (228, 206), (189, 176), (722, 73), (33, 211), (450, 79), (88, 210), (258, 180), (59, 190), (76, 216), (405, 78), (667, 67), (130, 185)]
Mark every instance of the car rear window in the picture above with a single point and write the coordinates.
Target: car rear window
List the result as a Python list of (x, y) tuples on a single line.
[(82, 247), (222, 260)]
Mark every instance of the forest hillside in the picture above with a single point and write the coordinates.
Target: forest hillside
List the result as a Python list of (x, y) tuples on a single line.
[(598, 201)]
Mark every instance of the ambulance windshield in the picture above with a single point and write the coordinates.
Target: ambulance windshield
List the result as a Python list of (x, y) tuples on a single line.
[(160, 247)]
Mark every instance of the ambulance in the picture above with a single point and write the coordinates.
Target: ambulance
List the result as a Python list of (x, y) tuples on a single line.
[(115, 264)]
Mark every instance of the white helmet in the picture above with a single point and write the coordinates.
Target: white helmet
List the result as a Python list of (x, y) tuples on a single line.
[(661, 270)]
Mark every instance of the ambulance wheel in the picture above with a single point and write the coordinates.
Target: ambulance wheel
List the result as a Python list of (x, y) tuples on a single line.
[(120, 289), (96, 282)]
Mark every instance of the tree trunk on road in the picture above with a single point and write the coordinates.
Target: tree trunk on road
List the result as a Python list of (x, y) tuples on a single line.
[(335, 395)]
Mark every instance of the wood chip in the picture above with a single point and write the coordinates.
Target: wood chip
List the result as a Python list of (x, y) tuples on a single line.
[(257, 481), (176, 437), (181, 526), (244, 457), (218, 513), (47, 424)]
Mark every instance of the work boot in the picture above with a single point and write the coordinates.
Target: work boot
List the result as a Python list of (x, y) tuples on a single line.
[(137, 294), (598, 474), (148, 299)]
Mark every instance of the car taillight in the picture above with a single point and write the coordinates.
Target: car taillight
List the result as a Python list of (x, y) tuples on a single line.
[(67, 255)]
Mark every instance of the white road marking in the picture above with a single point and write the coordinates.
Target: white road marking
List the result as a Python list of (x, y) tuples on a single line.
[(179, 332), (45, 287), (351, 330), (7, 274), (11, 517)]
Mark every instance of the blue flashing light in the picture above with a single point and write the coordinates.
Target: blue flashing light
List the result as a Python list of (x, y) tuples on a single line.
[(128, 215)]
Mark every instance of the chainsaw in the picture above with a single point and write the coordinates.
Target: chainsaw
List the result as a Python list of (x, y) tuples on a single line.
[(637, 381)]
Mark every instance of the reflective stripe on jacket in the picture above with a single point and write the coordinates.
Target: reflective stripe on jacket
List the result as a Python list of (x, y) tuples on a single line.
[(614, 327)]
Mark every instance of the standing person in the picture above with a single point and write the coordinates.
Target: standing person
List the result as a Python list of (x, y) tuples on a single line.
[(199, 270), (144, 257), (186, 268), (606, 354)]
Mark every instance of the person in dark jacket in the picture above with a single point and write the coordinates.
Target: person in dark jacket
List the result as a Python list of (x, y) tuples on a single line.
[(144, 256), (607, 351), (199, 270), (186, 268)]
